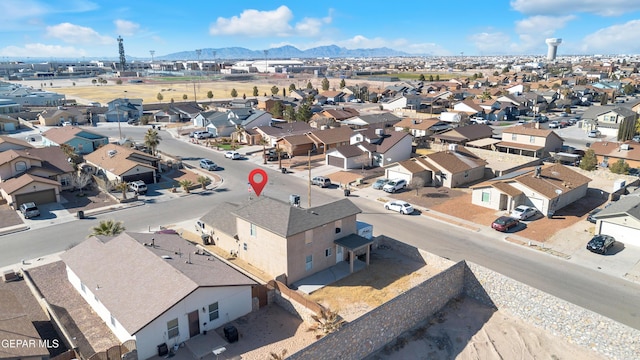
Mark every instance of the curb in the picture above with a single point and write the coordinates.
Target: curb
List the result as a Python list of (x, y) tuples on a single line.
[(14, 229), (536, 246)]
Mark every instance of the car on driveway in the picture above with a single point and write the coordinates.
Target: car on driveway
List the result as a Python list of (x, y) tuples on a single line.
[(601, 243), (523, 212), (504, 223), (554, 124), (400, 206), (594, 133), (321, 181), (592, 216), (233, 155), (379, 184), (29, 210), (202, 135), (138, 186), (395, 185), (208, 164)]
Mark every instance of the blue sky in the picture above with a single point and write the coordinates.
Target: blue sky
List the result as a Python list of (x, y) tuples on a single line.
[(82, 28)]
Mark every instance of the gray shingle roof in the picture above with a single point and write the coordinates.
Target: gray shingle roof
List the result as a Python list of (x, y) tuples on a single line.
[(285, 220), (628, 205)]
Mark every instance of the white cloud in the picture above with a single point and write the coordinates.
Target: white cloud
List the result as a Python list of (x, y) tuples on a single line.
[(126, 28), (10, 10), (255, 23), (492, 43), (533, 31), (75, 34), (42, 50), (558, 7), (620, 38)]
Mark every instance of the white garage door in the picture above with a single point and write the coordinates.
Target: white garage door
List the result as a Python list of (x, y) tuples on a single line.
[(392, 174), (537, 203), (624, 234)]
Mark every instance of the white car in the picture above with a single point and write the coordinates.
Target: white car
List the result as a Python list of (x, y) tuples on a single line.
[(233, 155), (523, 212), (400, 206), (395, 185)]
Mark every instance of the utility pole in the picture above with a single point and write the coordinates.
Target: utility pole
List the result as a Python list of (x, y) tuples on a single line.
[(309, 182)]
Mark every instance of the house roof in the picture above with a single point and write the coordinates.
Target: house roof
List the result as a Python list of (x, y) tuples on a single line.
[(14, 184), (390, 140), (373, 119), (332, 136), (594, 111), (278, 129), (612, 149), (469, 132), (515, 145), (412, 166), (553, 178), (221, 218), (9, 155), (121, 161), (285, 220), (153, 284), (456, 161), (350, 151), (530, 130), (340, 114), (625, 206), (53, 158), (9, 140), (62, 134), (417, 124), (297, 139)]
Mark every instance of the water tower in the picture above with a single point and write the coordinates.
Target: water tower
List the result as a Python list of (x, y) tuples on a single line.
[(552, 45)]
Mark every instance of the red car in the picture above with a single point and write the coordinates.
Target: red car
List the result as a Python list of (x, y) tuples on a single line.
[(504, 223)]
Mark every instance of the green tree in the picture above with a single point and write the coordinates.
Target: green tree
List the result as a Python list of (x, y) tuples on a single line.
[(437, 77), (276, 110), (184, 97), (628, 89), (292, 87), (421, 78), (325, 84), (430, 77), (255, 91), (152, 140), (186, 185), (604, 98), (506, 69), (289, 113), (342, 84), (304, 113), (122, 187), (159, 97), (234, 93), (274, 90), (107, 228), (203, 181), (209, 94), (619, 167), (309, 85), (589, 160), (119, 81)]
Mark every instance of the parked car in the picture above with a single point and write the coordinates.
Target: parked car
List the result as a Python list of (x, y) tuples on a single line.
[(563, 114), (202, 135), (601, 243), (504, 223), (138, 186), (554, 124), (400, 206), (29, 210), (273, 155), (573, 121), (233, 155), (636, 138), (591, 217), (634, 172), (379, 184), (395, 185), (523, 212), (321, 181), (594, 133), (208, 164)]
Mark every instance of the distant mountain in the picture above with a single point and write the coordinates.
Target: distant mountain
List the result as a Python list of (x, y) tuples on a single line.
[(284, 52)]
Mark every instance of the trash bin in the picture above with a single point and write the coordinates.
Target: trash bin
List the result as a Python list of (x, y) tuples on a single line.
[(347, 192), (163, 350), (284, 170), (231, 333), (80, 214)]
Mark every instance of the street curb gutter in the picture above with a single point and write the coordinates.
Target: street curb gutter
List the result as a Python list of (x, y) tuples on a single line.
[(14, 229)]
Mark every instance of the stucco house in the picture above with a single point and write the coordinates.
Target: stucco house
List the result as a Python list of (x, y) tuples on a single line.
[(611, 120), (283, 240), (81, 140), (419, 128), (452, 168), (156, 288), (621, 220), (371, 147), (121, 163), (547, 188), (463, 134), (60, 115), (276, 130), (529, 140), (610, 152), (10, 143)]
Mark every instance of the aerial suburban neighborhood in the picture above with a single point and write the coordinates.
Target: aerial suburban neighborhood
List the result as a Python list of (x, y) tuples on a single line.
[(202, 206)]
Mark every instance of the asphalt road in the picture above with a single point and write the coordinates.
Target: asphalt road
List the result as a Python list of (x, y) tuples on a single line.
[(613, 297)]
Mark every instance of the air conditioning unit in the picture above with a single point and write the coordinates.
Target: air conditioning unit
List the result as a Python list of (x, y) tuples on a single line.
[(624, 146), (453, 147), (379, 132)]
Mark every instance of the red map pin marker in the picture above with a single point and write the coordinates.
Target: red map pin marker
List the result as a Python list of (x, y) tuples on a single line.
[(259, 184)]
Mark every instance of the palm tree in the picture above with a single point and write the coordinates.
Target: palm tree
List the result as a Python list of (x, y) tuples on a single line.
[(238, 134), (186, 185), (122, 186), (203, 181), (107, 228), (152, 140)]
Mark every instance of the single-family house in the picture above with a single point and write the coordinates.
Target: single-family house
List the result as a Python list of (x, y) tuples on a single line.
[(609, 152), (470, 107), (621, 220), (452, 168), (81, 140), (29, 188), (463, 134), (611, 120), (120, 108), (124, 164), (327, 139), (283, 240), (529, 140), (10, 143), (296, 145), (60, 115), (275, 130), (156, 288), (547, 188), (409, 170), (419, 128), (371, 120), (216, 122), (334, 117), (335, 96)]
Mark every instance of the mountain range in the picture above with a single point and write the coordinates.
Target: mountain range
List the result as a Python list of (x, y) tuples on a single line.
[(284, 52)]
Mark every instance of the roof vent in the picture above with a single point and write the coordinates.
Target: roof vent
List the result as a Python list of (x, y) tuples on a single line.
[(624, 146), (453, 147), (379, 131), (112, 153), (167, 257)]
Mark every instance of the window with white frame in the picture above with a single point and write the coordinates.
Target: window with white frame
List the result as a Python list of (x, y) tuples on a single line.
[(486, 196), (213, 311), (21, 166), (532, 139), (172, 328), (514, 137), (253, 230), (65, 181), (308, 263)]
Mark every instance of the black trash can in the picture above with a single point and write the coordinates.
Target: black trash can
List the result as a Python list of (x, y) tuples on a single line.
[(231, 333), (163, 350), (347, 192), (284, 170), (80, 214)]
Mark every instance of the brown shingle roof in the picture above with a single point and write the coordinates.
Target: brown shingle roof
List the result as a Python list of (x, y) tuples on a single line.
[(456, 161), (418, 124), (9, 155), (14, 184), (117, 164), (332, 136), (10, 140), (612, 149), (390, 141), (553, 177), (506, 188), (529, 130), (412, 166)]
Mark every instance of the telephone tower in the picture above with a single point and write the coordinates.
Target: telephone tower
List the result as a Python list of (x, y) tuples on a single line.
[(123, 59)]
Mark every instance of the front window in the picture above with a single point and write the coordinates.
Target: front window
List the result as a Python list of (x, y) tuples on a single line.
[(172, 328), (486, 196), (327, 252), (213, 311), (308, 263), (532, 139), (65, 182), (514, 137), (253, 230), (21, 166)]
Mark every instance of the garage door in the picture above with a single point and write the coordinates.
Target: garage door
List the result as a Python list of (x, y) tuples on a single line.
[(336, 161), (624, 234), (146, 177), (38, 197), (537, 203), (392, 174)]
